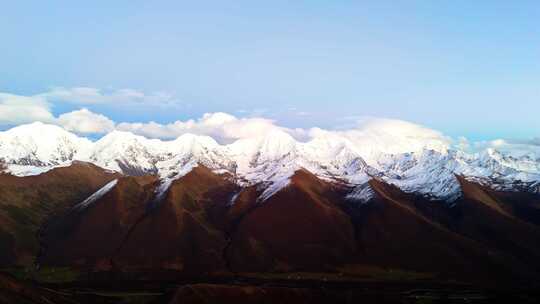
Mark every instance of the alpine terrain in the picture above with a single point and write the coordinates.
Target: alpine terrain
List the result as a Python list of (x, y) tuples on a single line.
[(373, 207)]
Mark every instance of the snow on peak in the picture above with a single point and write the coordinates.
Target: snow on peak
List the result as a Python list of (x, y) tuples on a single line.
[(374, 138), (190, 142), (426, 172), (275, 147), (124, 152), (362, 193), (39, 145), (414, 158), (187, 151)]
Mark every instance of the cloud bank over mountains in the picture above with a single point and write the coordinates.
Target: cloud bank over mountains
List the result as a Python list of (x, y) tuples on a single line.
[(393, 136), (16, 109), (223, 127), (84, 121)]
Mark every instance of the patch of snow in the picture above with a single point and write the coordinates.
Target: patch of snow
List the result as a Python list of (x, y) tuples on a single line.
[(273, 188), (21, 170), (169, 178), (361, 193), (96, 196), (233, 198)]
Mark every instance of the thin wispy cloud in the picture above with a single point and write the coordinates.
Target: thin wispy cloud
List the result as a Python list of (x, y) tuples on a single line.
[(89, 95)]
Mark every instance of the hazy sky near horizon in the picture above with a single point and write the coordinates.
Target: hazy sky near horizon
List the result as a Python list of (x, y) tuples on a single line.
[(466, 68)]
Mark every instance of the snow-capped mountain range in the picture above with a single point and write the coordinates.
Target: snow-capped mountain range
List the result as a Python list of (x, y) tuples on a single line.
[(270, 160)]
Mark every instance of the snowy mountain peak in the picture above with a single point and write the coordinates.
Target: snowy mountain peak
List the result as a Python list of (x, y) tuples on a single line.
[(121, 137), (39, 145), (190, 142), (277, 143), (426, 167), (38, 131)]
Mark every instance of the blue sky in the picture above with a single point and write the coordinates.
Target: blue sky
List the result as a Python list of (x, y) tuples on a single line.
[(468, 68)]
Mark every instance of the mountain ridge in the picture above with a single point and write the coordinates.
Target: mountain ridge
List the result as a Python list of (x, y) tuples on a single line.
[(270, 159)]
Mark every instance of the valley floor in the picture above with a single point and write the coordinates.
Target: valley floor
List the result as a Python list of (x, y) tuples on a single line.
[(59, 286)]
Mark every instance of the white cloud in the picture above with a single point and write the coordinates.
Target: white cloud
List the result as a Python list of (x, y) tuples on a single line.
[(370, 136), (373, 136), (514, 148), (463, 144), (16, 109), (88, 95), (84, 121), (223, 127)]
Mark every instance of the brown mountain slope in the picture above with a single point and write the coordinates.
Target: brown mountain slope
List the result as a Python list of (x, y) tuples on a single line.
[(207, 224), (299, 228), (392, 232), (27, 202), (467, 241), (525, 206), (521, 205), (488, 217), (485, 217), (183, 232), (91, 236)]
